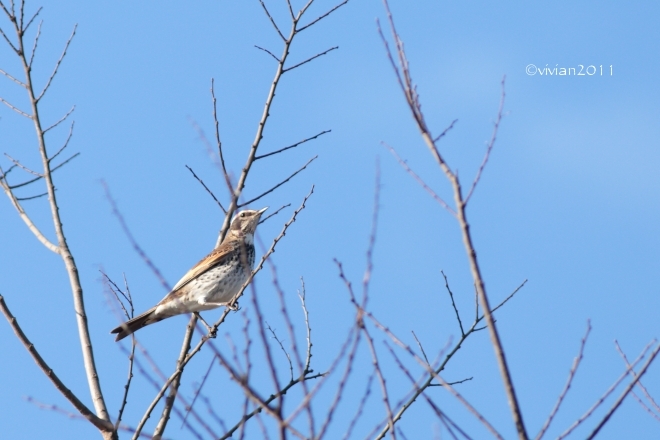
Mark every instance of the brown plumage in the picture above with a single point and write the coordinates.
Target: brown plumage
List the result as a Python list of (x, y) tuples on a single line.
[(212, 282)]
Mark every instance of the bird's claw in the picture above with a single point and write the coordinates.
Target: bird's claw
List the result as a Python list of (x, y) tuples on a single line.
[(234, 307)]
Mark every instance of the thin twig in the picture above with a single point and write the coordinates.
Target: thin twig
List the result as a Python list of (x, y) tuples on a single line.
[(445, 131), (23, 167), (286, 353), (209, 149), (16, 109), (416, 384), (310, 59), (12, 78), (38, 196), (419, 344), (381, 379), (129, 235), (57, 65), (490, 144), (279, 184), (360, 409), (66, 143), (272, 21), (453, 304), (354, 336), (62, 119), (174, 387), (303, 369), (569, 381), (625, 393), (207, 190), (607, 393), (419, 180), (268, 52), (36, 43), (277, 412), (321, 17), (217, 129), (640, 385), (275, 213), (18, 185), (433, 373), (131, 357), (26, 27), (259, 409), (292, 146)]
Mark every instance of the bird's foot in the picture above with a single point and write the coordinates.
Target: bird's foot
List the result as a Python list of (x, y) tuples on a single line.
[(234, 307)]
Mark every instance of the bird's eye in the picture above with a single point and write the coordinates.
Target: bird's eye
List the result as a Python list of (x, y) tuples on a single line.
[(242, 214)]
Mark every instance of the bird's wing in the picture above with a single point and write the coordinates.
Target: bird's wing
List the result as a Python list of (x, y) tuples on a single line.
[(218, 256)]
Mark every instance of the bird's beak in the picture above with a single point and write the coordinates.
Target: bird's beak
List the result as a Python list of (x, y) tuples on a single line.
[(261, 211)]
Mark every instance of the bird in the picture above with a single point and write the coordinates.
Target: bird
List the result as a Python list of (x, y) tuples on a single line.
[(211, 283)]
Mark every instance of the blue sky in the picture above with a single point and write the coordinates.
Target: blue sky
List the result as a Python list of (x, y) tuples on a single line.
[(569, 200)]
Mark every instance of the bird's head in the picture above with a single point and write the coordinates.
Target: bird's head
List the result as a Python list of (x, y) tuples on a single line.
[(245, 223)]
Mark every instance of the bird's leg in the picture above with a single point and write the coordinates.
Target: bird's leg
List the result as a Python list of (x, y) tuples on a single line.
[(234, 307), (211, 330)]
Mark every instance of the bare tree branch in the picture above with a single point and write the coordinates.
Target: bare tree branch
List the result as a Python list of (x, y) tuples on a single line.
[(275, 213), (310, 59), (32, 19), (26, 219), (490, 144), (207, 190), (360, 409), (57, 65), (134, 243), (227, 310), (35, 44), (174, 387), (641, 386), (610, 390), (625, 392), (316, 20), (272, 21), (279, 184), (445, 131), (453, 304), (18, 185), (217, 128), (103, 425), (419, 180), (62, 119), (571, 375), (434, 375), (238, 189), (23, 167), (16, 109), (38, 196), (12, 78), (292, 146), (381, 379), (402, 71), (268, 52), (62, 247)]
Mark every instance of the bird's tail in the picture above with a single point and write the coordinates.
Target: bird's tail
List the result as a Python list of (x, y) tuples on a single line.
[(135, 324)]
